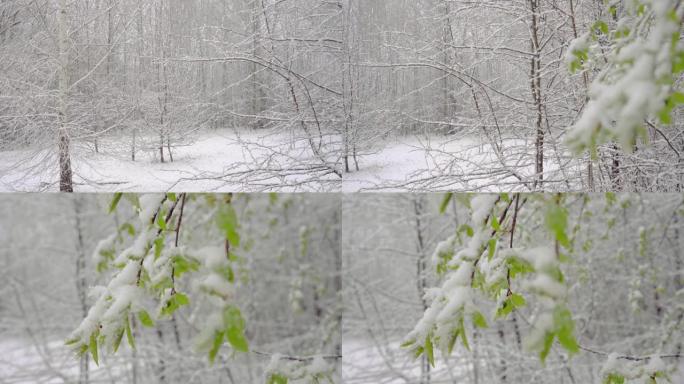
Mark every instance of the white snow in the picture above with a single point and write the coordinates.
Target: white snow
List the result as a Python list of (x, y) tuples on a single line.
[(200, 166), (24, 362), (541, 258), (106, 244), (137, 250), (544, 284), (216, 283), (149, 205), (211, 257), (363, 363), (458, 163)]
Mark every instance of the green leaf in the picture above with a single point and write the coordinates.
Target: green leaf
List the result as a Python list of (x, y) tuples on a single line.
[(565, 328), (128, 227), (517, 300), (237, 339), (182, 265), (232, 317), (479, 320), (117, 340), (567, 340), (614, 378), (171, 196), (82, 350), (511, 303), (218, 340), (548, 342), (277, 379), (517, 266), (429, 352), (557, 223), (677, 98), (145, 319), (158, 247), (464, 339), (491, 248), (445, 202), (115, 201), (600, 26), (452, 340), (467, 229), (161, 221), (181, 299), (129, 335), (176, 301), (235, 327), (495, 223), (226, 219), (93, 348), (419, 351)]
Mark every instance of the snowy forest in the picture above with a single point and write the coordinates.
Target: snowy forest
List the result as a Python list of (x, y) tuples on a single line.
[(524, 288), (155, 95), (307, 95), (514, 95), (170, 289)]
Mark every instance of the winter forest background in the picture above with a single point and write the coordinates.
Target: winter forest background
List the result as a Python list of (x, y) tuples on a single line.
[(351, 95), (286, 284)]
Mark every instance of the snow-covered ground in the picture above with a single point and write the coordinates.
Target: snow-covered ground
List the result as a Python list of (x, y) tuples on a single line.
[(458, 164), (25, 362), (364, 362), (214, 161)]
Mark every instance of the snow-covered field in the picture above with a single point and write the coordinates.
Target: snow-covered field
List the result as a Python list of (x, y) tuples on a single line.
[(364, 362), (25, 362), (458, 164), (214, 161)]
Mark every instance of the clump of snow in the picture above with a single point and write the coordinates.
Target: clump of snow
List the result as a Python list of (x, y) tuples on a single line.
[(542, 324), (545, 285), (139, 248), (482, 206), (580, 44), (127, 276), (541, 258), (211, 257), (444, 250), (149, 205), (215, 283), (299, 371), (214, 323), (105, 245), (112, 305)]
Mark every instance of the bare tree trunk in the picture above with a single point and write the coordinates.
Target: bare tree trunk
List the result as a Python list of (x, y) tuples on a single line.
[(535, 82), (585, 80), (447, 41), (65, 173), (254, 68)]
